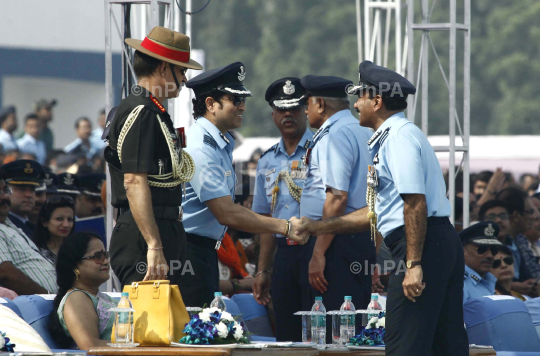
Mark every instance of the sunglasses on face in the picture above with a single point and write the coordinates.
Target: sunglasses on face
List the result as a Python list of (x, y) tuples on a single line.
[(236, 100), (493, 217), (56, 199), (99, 257), (483, 249), (508, 260)]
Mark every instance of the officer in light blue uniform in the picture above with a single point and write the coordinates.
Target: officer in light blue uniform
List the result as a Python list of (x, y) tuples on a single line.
[(336, 184), (287, 280), (480, 245), (408, 183), (209, 206), (214, 177)]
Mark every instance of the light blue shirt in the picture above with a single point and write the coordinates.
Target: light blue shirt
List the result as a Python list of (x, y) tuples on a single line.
[(28, 144), (475, 286), (96, 140), (270, 164), (214, 177), (338, 160), (7, 141), (78, 147), (406, 164)]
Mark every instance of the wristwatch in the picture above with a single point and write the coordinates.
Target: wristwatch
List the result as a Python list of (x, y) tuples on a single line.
[(411, 264)]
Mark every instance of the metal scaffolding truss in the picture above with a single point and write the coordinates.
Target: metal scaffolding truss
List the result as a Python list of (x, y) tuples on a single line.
[(420, 79), (376, 50)]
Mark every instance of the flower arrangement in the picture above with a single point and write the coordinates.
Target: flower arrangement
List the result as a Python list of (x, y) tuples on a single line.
[(5, 344), (372, 334), (212, 327)]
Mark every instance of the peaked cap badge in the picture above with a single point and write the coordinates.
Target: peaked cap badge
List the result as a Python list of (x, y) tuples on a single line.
[(489, 231), (68, 180), (242, 74), (289, 88), (28, 168)]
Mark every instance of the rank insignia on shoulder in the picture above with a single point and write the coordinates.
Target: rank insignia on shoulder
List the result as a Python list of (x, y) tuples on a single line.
[(306, 146), (158, 104), (307, 156), (475, 278), (182, 136)]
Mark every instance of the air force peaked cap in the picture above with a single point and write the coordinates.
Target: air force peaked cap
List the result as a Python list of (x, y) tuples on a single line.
[(482, 233), (91, 184), (286, 93), (228, 79), (24, 172), (383, 81), (328, 86)]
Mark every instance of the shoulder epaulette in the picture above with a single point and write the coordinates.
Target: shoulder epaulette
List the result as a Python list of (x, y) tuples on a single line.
[(273, 148), (383, 136), (157, 103), (208, 140)]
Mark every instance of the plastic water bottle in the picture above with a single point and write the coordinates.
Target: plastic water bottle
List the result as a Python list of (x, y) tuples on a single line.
[(124, 330), (218, 302), (318, 324), (347, 324), (374, 308)]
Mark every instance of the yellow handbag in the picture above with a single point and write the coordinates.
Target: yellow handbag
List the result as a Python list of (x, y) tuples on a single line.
[(160, 313)]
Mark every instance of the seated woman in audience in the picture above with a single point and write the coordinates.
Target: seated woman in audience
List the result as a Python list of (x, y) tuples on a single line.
[(55, 222), (503, 270), (80, 311)]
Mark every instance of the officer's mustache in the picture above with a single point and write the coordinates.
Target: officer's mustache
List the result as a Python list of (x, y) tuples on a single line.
[(285, 119), (5, 202)]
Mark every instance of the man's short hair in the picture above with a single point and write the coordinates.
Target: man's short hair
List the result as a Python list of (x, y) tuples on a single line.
[(144, 65), (199, 104), (483, 176), (490, 204), (514, 199), (31, 116), (390, 103), (81, 119)]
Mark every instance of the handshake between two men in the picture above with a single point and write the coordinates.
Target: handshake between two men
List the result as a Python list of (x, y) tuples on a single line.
[(301, 229)]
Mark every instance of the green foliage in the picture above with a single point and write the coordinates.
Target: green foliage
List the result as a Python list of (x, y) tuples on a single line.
[(278, 38)]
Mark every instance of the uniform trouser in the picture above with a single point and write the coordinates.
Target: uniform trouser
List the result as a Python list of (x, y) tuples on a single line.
[(198, 286), (290, 288), (434, 323), (348, 272), (129, 249)]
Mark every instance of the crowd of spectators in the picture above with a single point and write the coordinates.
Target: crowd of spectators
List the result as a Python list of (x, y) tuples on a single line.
[(512, 206), (36, 140)]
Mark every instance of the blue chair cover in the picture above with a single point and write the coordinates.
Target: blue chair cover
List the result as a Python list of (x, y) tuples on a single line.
[(9, 303), (35, 311), (233, 309), (502, 322), (255, 315), (534, 309)]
